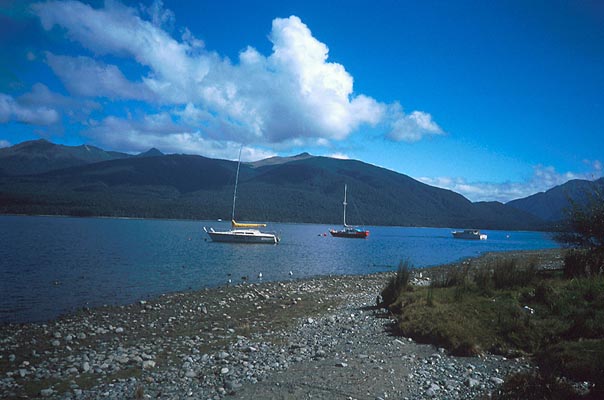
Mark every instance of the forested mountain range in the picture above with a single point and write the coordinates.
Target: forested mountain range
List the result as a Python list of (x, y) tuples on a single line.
[(43, 178)]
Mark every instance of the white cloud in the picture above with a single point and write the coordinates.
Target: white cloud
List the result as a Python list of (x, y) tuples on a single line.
[(12, 110), (5, 143), (160, 131), (293, 95), (543, 179), (83, 76), (340, 156), (411, 127)]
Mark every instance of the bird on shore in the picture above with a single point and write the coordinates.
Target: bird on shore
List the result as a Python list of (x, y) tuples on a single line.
[(259, 275), (290, 273)]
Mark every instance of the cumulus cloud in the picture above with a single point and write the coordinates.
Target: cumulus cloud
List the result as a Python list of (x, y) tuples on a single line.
[(292, 95), (411, 127), (5, 143), (161, 131), (543, 179), (13, 110), (83, 76)]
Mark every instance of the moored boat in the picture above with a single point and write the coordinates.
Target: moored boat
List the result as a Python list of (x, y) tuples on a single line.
[(470, 234), (242, 232), (348, 231)]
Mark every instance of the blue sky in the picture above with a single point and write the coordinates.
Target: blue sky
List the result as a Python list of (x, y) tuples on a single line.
[(495, 100)]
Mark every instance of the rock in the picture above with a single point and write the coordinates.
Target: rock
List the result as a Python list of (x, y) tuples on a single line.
[(85, 366), (46, 392), (470, 382), (119, 330), (55, 343), (148, 364), (496, 381), (224, 371), (341, 364), (190, 374), (81, 336)]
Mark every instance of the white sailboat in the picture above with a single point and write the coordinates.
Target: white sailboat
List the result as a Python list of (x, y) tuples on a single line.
[(242, 232), (347, 231)]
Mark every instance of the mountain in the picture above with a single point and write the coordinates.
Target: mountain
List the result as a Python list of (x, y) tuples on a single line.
[(302, 188), (152, 152), (279, 160), (38, 156), (551, 205)]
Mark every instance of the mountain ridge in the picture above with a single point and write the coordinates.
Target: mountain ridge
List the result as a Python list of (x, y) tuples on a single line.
[(301, 188)]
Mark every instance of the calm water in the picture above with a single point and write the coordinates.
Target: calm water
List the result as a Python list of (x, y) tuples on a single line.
[(52, 265)]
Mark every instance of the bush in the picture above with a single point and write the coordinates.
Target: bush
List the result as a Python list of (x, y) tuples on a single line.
[(507, 274), (454, 276), (532, 385), (580, 361), (581, 262), (397, 283)]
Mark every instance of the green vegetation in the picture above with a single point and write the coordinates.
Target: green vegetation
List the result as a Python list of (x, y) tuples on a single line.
[(508, 306)]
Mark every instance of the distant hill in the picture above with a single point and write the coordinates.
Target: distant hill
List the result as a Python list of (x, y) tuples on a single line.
[(303, 188), (551, 205), (38, 156)]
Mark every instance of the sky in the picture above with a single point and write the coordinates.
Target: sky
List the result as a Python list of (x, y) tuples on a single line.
[(494, 100)]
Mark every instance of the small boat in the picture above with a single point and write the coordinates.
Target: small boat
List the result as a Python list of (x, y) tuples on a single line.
[(471, 234), (242, 232), (348, 231), (242, 236)]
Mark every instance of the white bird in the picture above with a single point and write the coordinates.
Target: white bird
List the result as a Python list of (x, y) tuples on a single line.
[(290, 273), (259, 275)]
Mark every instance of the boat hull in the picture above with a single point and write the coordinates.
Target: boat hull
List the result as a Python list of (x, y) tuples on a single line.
[(349, 234), (243, 236), (469, 235)]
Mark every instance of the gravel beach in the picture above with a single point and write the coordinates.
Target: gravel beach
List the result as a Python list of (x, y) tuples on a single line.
[(317, 338)]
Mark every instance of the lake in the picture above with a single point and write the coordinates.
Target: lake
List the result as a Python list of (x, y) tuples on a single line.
[(53, 265)]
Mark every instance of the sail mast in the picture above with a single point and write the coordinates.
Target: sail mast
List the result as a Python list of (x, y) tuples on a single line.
[(345, 188), (236, 181)]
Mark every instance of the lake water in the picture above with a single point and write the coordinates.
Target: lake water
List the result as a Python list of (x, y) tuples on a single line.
[(53, 265)]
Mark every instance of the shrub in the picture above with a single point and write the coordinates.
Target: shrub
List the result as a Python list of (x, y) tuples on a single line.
[(581, 262), (397, 283), (454, 276), (532, 385), (507, 274), (580, 361)]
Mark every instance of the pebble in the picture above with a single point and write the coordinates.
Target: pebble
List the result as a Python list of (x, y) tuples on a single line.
[(230, 352)]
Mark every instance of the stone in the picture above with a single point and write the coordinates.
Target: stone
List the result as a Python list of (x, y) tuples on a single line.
[(496, 381), (148, 364), (46, 392), (470, 382)]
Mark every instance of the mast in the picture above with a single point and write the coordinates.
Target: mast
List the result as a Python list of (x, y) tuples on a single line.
[(345, 188), (236, 180)]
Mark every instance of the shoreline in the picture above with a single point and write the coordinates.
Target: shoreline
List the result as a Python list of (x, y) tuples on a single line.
[(227, 339)]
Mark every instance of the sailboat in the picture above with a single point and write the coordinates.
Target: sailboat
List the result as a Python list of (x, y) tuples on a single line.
[(348, 231), (242, 232)]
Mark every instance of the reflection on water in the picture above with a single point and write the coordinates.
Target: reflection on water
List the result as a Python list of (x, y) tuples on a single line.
[(51, 265)]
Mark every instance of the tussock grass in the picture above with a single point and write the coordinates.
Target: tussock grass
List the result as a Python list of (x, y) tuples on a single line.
[(397, 283), (506, 307)]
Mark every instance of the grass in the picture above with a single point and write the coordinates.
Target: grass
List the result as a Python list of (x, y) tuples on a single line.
[(507, 307)]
